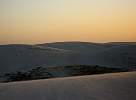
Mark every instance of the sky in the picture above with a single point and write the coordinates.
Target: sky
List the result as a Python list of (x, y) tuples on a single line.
[(41, 21)]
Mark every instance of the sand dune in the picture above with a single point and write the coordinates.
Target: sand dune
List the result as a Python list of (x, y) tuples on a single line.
[(19, 57), (117, 86)]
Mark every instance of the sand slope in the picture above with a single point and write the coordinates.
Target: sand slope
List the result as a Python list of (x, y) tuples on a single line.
[(119, 86), (18, 57)]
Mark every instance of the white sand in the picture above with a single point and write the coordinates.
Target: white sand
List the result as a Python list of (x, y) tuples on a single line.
[(119, 86)]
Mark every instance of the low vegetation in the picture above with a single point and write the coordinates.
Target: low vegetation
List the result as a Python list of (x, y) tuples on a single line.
[(53, 72)]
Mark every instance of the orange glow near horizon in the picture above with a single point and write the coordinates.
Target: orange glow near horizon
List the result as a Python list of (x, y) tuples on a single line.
[(39, 21)]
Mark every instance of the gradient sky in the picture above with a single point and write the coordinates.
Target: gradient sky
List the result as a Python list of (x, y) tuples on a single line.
[(39, 21)]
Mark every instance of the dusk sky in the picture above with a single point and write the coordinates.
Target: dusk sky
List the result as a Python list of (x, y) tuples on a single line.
[(41, 21)]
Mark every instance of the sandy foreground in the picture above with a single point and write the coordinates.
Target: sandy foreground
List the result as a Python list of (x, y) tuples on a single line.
[(117, 86)]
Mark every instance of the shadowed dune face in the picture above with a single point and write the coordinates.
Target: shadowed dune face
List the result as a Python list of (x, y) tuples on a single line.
[(119, 86), (23, 57), (20, 57)]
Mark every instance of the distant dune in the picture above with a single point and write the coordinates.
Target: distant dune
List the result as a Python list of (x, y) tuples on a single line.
[(119, 86), (18, 57)]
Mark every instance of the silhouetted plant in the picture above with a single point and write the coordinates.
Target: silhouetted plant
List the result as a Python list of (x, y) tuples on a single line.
[(37, 73), (44, 73)]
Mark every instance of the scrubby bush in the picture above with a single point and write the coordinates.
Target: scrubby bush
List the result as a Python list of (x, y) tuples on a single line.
[(63, 71), (37, 73), (89, 70)]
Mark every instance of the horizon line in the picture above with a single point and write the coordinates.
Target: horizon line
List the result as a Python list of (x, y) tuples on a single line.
[(119, 42)]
